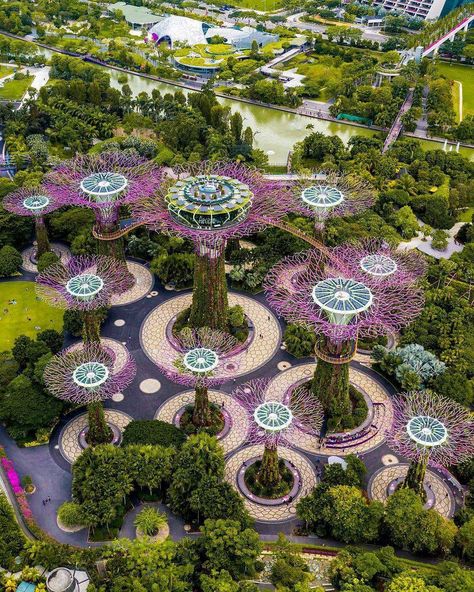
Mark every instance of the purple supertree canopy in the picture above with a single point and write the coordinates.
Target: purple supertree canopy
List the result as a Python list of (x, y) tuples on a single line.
[(35, 202), (210, 203), (199, 357), (305, 288), (333, 194), (430, 427), (373, 260), (87, 375), (84, 282), (103, 182), (273, 422)]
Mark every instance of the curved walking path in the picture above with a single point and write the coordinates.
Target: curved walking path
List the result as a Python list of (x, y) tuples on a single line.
[(61, 250), (272, 513), (368, 436), (143, 284), (380, 481), (232, 438), (262, 347)]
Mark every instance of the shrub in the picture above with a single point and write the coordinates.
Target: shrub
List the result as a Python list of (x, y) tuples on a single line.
[(149, 521), (10, 261), (52, 338), (236, 316), (12, 539), (46, 260), (299, 340), (152, 431), (70, 514), (177, 267), (439, 240)]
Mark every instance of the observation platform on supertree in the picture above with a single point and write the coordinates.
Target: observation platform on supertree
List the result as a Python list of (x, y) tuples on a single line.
[(208, 202)]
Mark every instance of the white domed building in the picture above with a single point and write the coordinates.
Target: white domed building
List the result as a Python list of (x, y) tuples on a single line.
[(187, 31)]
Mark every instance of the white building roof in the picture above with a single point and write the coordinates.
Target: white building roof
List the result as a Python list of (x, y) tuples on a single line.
[(179, 28)]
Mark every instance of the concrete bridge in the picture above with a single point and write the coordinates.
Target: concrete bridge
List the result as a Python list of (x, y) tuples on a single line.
[(433, 48)]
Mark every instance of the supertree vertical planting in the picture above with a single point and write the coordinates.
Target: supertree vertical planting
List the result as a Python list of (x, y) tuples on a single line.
[(87, 376), (273, 423), (104, 182), (430, 430), (339, 307), (332, 195), (211, 203), (84, 283), (36, 203), (199, 360)]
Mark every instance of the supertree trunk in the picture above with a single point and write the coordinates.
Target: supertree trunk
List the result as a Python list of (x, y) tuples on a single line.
[(269, 474), (114, 248), (42, 241), (91, 326), (99, 432), (201, 413), (331, 385), (209, 305), (416, 476)]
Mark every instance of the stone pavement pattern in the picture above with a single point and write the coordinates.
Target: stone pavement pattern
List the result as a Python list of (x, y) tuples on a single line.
[(119, 350), (280, 384), (282, 512), (63, 252), (380, 481), (261, 349), (143, 284), (238, 431), (69, 437)]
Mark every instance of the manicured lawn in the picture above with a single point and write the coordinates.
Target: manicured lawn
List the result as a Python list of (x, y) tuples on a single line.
[(5, 71), (15, 322), (465, 75), (267, 5), (466, 215), (13, 90)]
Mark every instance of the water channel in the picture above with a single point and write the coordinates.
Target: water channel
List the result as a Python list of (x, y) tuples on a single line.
[(276, 131)]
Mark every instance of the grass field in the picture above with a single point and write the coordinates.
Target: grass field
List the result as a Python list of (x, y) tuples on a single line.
[(13, 90), (266, 5), (465, 75), (5, 71), (15, 322)]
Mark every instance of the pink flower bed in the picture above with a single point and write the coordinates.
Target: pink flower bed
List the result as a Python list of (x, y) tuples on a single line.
[(15, 482)]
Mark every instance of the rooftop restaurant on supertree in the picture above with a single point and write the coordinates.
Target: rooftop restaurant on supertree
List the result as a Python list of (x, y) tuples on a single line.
[(35, 202), (210, 204), (85, 283), (339, 308), (198, 358), (430, 429), (274, 423), (104, 182), (86, 375)]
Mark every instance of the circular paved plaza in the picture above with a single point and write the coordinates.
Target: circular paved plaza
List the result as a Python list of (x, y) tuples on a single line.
[(261, 347), (119, 351), (272, 513), (63, 252), (233, 438), (365, 437), (143, 284), (69, 445), (381, 480)]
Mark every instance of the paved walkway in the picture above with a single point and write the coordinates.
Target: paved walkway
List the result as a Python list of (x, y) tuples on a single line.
[(378, 487), (143, 285), (61, 250)]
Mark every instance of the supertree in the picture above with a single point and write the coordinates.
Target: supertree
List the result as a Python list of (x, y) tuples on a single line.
[(332, 195), (198, 359), (36, 202), (273, 423), (211, 203), (430, 430), (339, 308), (104, 182), (84, 283), (374, 260), (87, 376)]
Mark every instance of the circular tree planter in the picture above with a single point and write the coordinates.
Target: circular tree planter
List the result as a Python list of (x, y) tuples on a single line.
[(159, 537), (116, 436), (65, 528)]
